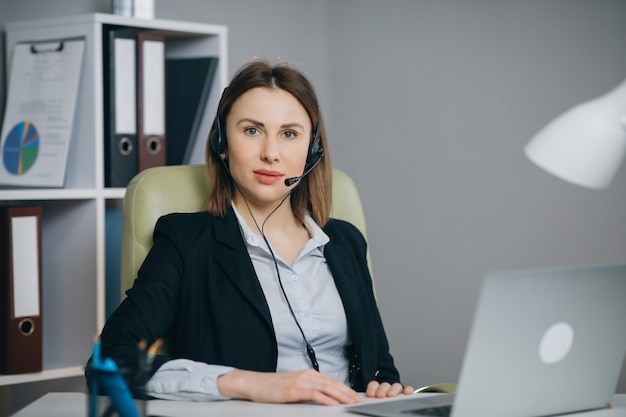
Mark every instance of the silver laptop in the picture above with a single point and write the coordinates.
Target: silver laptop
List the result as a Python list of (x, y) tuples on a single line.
[(543, 342)]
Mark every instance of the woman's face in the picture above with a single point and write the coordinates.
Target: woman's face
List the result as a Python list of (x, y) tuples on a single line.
[(268, 133)]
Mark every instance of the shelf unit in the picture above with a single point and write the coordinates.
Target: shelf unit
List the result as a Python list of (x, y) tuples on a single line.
[(74, 217)]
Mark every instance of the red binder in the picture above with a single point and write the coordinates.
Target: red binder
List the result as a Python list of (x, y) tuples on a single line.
[(150, 100), (20, 285)]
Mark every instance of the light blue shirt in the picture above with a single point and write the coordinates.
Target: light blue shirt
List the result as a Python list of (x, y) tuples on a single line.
[(313, 296)]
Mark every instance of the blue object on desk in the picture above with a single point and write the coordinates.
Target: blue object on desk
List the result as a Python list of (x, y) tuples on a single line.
[(106, 375)]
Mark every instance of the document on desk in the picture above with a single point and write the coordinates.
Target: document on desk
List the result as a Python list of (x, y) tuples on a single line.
[(39, 116)]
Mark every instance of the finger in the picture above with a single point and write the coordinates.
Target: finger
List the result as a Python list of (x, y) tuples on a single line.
[(321, 398), (371, 389), (395, 389), (408, 390), (382, 390), (330, 395), (330, 391), (341, 392)]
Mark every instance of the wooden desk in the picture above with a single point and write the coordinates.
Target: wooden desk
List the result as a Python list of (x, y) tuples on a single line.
[(75, 405)]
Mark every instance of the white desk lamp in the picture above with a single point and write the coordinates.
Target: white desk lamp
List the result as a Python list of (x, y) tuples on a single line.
[(586, 144)]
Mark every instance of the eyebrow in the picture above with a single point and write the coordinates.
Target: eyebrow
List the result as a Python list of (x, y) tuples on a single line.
[(258, 123), (248, 120)]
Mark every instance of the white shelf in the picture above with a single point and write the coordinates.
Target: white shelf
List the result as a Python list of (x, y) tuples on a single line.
[(42, 376), (49, 194), (74, 217), (111, 19), (113, 193)]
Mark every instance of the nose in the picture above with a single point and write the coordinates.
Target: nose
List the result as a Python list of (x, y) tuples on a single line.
[(269, 151)]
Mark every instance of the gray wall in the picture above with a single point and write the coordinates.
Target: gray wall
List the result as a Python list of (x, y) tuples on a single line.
[(428, 106), (431, 105)]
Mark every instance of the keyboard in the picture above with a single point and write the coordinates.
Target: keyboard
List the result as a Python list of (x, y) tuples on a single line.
[(443, 411)]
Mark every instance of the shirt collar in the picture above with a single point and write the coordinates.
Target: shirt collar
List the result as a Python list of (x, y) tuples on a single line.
[(255, 239)]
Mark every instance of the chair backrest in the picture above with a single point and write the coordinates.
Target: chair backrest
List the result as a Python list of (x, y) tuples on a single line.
[(184, 188)]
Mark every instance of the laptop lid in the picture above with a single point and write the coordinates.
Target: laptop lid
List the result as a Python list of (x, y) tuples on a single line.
[(542, 342)]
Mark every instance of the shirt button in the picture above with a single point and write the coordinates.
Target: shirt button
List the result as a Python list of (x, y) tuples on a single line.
[(294, 277)]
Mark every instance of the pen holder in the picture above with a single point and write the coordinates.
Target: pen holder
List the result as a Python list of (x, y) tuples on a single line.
[(113, 393)]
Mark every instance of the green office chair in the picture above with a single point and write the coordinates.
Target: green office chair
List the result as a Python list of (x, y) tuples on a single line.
[(184, 188)]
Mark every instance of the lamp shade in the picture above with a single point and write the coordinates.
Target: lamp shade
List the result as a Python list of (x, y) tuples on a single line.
[(586, 144)]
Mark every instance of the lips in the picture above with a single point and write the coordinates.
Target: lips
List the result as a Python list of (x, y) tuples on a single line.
[(265, 176)]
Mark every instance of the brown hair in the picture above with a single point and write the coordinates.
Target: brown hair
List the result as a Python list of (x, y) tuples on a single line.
[(313, 193)]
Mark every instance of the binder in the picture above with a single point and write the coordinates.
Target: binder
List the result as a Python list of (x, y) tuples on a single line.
[(188, 83), (151, 139), (113, 218), (120, 83), (20, 282)]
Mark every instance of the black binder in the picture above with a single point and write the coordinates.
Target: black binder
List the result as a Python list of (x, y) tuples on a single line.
[(120, 98), (188, 84)]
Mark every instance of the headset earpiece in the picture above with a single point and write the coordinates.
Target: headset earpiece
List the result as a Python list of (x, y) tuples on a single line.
[(218, 141), (218, 138), (315, 149)]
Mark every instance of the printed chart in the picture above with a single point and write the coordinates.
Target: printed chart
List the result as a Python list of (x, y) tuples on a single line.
[(21, 148)]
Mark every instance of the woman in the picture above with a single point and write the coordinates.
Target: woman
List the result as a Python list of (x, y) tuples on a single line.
[(262, 290)]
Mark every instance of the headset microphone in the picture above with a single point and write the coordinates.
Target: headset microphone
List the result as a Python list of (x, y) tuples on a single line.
[(291, 181)]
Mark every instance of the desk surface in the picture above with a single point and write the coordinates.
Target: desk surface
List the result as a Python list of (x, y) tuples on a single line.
[(75, 405)]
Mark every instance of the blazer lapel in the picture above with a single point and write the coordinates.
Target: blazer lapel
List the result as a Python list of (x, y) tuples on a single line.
[(346, 286), (232, 257)]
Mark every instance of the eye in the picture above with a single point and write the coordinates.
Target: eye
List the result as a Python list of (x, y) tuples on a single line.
[(251, 131), (290, 134)]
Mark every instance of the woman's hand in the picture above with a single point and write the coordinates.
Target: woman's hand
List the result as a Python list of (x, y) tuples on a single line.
[(286, 387), (377, 390)]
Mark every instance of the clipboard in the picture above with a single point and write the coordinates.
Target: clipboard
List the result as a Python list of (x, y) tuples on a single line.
[(39, 116)]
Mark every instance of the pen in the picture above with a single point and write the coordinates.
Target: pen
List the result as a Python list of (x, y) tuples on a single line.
[(154, 348), (141, 364), (145, 361)]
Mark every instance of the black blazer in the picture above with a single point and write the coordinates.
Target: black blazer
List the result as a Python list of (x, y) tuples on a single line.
[(198, 289)]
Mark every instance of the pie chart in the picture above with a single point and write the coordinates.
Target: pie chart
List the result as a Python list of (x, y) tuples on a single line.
[(21, 148)]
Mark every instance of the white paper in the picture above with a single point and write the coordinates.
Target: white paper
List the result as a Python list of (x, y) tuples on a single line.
[(39, 116), (153, 88), (125, 86), (25, 251)]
